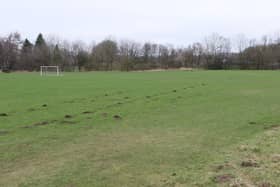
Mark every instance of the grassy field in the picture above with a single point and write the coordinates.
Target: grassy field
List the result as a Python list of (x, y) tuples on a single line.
[(200, 128)]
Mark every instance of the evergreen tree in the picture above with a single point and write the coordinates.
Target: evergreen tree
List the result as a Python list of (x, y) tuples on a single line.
[(40, 41), (26, 58), (41, 52), (27, 46)]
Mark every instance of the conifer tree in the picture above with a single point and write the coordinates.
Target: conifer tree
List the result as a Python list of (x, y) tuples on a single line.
[(26, 62), (42, 55)]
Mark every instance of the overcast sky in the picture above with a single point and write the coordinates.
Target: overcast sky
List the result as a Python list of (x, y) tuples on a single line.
[(179, 22)]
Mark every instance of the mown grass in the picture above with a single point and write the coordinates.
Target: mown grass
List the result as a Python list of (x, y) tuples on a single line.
[(140, 129)]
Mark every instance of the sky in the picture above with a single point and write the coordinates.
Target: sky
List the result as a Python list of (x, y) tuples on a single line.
[(178, 22)]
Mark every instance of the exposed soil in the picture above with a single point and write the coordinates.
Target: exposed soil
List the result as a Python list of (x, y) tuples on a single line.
[(272, 127), (87, 112), (249, 163), (219, 168), (223, 166), (3, 115), (44, 105), (117, 117), (252, 123), (68, 122), (43, 123), (223, 178), (67, 116)]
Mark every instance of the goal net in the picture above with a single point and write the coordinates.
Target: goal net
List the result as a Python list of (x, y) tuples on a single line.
[(50, 71)]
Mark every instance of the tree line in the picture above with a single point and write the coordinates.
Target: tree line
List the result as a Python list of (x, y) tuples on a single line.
[(215, 52)]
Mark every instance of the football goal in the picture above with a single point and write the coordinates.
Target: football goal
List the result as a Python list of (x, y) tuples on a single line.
[(50, 71)]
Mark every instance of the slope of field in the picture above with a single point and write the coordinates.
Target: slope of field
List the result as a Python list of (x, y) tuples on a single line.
[(200, 128)]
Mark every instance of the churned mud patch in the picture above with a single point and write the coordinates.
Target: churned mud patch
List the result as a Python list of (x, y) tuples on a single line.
[(67, 122), (223, 178), (224, 166), (117, 117), (87, 112), (43, 123), (3, 115), (252, 123), (68, 116), (249, 163)]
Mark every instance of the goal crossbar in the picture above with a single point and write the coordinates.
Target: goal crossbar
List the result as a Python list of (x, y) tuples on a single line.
[(45, 70)]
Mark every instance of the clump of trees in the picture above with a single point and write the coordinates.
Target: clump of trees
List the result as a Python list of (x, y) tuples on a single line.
[(215, 52)]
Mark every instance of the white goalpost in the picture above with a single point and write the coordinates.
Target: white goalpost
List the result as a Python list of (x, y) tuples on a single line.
[(50, 71)]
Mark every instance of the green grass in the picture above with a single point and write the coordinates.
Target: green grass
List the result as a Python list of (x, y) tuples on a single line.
[(175, 129)]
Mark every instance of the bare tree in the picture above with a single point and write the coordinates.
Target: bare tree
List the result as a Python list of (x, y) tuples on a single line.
[(105, 53), (217, 48), (128, 51), (9, 51), (163, 56), (242, 43), (198, 52)]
